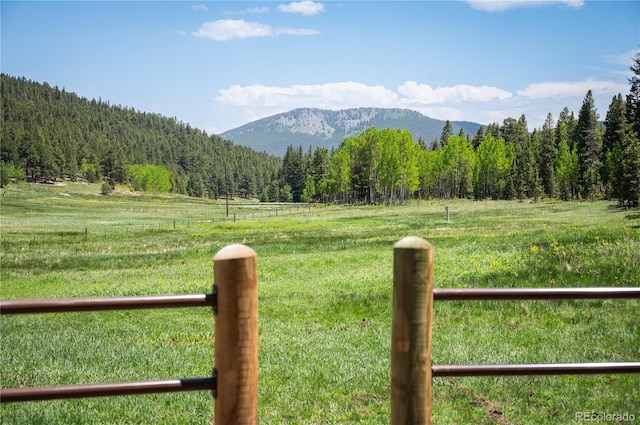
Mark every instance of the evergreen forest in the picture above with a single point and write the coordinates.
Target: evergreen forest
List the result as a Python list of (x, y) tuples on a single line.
[(568, 158), (50, 134)]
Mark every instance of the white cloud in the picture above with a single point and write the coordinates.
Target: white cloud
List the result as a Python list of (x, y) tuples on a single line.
[(502, 5), (229, 29), (353, 94), (483, 104), (425, 94), (625, 59), (200, 7), (305, 7), (461, 102), (262, 9), (329, 95), (570, 89), (294, 31)]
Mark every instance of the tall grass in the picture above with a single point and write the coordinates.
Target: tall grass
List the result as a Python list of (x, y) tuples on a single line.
[(325, 305)]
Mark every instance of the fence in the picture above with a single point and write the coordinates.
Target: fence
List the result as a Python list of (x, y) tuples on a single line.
[(413, 300), (235, 303), (234, 300), (147, 223)]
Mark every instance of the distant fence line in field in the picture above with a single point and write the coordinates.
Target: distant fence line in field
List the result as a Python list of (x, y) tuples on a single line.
[(101, 231), (234, 299), (243, 213), (248, 212)]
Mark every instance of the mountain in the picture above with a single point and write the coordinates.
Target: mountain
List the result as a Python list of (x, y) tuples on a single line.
[(325, 128)]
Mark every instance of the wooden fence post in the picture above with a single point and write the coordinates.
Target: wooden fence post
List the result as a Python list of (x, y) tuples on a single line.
[(236, 335), (411, 332)]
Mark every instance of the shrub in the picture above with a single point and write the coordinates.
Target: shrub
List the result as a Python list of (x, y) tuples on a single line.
[(8, 171), (107, 187), (150, 178)]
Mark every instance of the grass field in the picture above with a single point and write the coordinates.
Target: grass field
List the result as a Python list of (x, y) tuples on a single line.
[(325, 292)]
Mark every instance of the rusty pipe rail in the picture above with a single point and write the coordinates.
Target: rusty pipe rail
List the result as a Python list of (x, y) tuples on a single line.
[(498, 294), (14, 395), (236, 330), (412, 371), (486, 294), (106, 303), (11, 395), (535, 369)]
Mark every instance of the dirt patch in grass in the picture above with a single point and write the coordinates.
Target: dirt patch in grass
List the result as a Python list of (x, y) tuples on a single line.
[(493, 411)]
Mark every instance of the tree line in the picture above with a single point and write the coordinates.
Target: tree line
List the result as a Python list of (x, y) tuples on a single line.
[(568, 158), (49, 134)]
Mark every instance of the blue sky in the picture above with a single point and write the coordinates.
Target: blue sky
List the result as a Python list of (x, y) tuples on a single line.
[(219, 65)]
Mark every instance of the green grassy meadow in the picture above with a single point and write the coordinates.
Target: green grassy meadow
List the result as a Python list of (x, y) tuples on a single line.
[(325, 297)]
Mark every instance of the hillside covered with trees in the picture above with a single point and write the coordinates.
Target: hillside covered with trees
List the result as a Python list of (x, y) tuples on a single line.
[(49, 134), (568, 158)]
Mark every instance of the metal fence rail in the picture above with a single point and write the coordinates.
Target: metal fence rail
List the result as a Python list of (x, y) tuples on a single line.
[(13, 395), (535, 369), (411, 336), (499, 294), (482, 294), (236, 330), (234, 302), (106, 303)]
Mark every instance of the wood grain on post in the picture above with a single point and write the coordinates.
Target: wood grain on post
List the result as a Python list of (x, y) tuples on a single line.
[(236, 334), (411, 332)]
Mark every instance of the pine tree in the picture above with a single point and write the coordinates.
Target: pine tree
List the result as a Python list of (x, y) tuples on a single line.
[(615, 124), (293, 171), (589, 147), (114, 165), (422, 144), (567, 122), (320, 171), (615, 130), (195, 186), (274, 191), (494, 130), (51, 134), (633, 98), (447, 132), (629, 150), (566, 167), (523, 181), (285, 194), (478, 138), (547, 157), (630, 185)]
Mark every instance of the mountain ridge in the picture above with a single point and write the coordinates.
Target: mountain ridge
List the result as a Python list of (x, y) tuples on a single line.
[(315, 127)]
